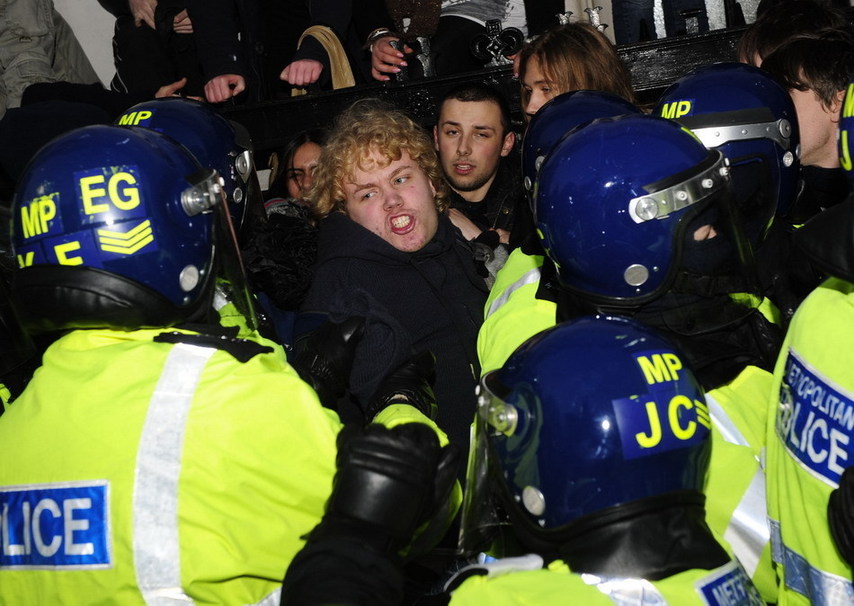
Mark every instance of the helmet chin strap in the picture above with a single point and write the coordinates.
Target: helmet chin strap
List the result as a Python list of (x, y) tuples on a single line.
[(651, 539)]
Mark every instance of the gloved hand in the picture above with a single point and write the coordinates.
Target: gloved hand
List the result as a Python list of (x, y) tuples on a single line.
[(840, 515), (410, 383), (324, 357), (389, 481)]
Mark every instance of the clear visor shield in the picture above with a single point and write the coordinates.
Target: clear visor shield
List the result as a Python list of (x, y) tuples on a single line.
[(246, 188), (748, 137), (206, 195), (711, 250), (484, 521), (714, 254)]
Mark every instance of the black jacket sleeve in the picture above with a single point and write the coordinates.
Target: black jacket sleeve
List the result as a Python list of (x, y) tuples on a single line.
[(216, 25)]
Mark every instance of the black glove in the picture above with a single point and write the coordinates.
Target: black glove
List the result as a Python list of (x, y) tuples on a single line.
[(324, 357), (388, 482), (840, 516), (410, 383)]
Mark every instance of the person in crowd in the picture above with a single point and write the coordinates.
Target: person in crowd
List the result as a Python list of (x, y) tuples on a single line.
[(636, 21), (559, 116), (474, 140), (311, 64), (49, 109), (784, 20), (280, 252), (244, 44), (569, 436), (570, 57), (389, 253), (816, 71), (228, 38), (215, 141), (426, 39), (153, 46), (809, 453), (171, 471), (516, 287), (577, 483), (747, 114), (808, 411), (37, 45), (292, 171), (625, 199)]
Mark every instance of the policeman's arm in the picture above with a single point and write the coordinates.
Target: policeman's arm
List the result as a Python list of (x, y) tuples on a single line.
[(840, 516), (387, 483)]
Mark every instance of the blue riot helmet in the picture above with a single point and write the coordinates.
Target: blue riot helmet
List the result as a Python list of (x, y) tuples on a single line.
[(119, 228), (629, 208), (216, 143), (559, 116), (585, 418), (744, 112), (846, 135)]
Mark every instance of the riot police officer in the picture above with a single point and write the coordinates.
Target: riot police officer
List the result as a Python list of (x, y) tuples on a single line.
[(154, 456)]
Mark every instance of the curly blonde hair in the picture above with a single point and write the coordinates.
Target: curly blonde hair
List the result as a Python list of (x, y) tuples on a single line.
[(371, 125)]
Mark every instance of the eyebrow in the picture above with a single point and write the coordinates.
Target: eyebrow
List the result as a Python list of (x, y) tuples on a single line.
[(362, 186), (474, 126)]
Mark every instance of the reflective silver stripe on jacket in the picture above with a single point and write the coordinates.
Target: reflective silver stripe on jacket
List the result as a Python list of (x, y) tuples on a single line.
[(530, 277), (156, 547), (820, 587), (274, 599), (747, 531), (626, 592)]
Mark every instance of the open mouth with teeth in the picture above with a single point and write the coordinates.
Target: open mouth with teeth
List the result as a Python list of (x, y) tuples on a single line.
[(463, 168), (401, 224)]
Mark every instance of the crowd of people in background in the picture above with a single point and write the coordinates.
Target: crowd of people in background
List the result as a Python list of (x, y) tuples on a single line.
[(599, 355)]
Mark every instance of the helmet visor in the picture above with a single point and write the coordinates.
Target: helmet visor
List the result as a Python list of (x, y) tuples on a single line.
[(206, 195), (484, 521)]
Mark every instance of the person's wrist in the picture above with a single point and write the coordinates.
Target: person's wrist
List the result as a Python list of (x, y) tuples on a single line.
[(380, 32)]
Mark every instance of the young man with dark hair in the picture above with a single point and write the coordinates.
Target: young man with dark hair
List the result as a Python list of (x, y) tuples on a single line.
[(474, 140), (816, 71)]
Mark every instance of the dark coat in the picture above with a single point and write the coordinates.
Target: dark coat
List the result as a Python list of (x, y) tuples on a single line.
[(503, 207), (431, 299)]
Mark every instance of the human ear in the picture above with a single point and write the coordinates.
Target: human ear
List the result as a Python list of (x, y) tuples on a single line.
[(509, 141)]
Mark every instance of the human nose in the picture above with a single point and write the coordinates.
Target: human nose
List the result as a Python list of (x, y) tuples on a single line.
[(534, 104), (307, 180), (392, 199), (463, 146)]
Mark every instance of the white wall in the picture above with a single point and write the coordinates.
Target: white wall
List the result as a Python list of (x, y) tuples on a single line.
[(93, 27)]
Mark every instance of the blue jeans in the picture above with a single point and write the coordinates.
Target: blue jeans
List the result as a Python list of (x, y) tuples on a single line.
[(632, 18)]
